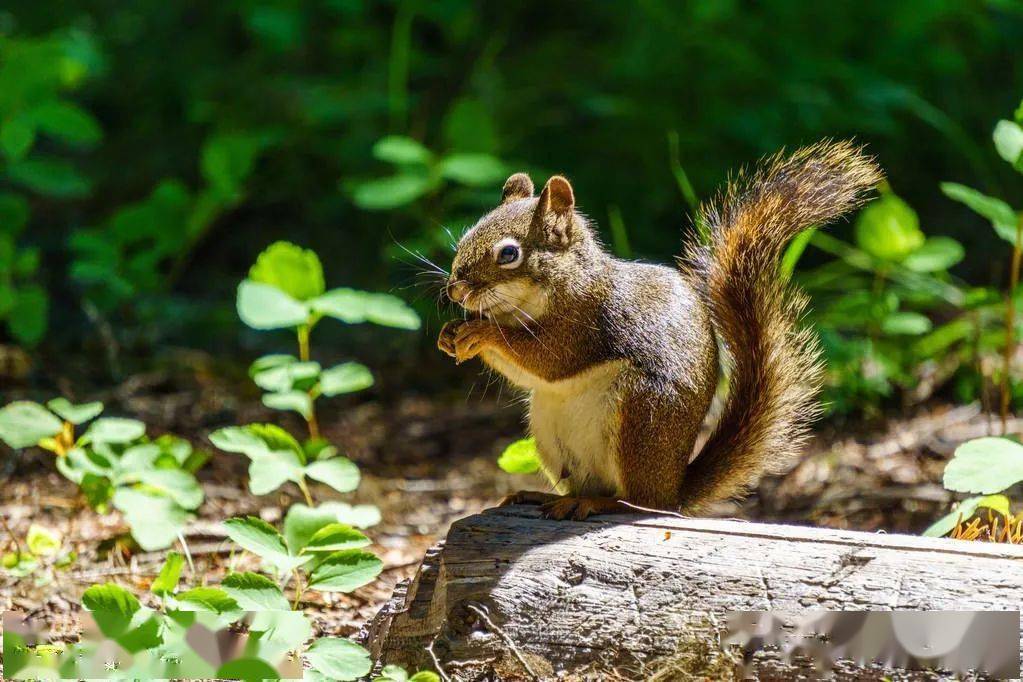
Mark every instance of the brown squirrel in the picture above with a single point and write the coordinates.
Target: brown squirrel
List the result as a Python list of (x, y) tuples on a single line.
[(620, 358)]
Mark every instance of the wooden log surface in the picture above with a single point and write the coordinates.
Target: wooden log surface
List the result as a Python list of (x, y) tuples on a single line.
[(510, 595)]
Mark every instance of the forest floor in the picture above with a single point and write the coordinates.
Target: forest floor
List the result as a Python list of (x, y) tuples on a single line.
[(426, 461)]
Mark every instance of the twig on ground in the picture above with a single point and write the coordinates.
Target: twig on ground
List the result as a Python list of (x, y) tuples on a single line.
[(436, 661), (507, 640)]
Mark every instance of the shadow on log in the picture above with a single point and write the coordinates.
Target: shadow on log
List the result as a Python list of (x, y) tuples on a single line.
[(509, 595)]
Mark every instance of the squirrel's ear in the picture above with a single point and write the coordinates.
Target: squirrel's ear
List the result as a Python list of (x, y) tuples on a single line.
[(518, 186), (555, 209)]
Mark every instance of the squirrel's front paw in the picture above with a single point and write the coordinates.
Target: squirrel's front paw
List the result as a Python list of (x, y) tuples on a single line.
[(446, 340), (470, 338)]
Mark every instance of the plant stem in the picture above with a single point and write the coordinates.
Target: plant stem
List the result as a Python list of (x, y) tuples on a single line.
[(14, 540), (305, 492), (299, 590), (303, 342), (1010, 320)]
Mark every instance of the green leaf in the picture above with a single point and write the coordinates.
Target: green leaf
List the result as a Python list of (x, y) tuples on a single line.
[(284, 375), (262, 306), (401, 150), (1008, 137), (936, 255), (345, 378), (392, 673), (247, 669), (299, 401), (209, 599), (999, 213), (76, 414), (270, 471), (387, 193), (985, 466), (291, 269), (359, 516), (352, 306), (964, 511), (178, 485), (425, 676), (263, 540), (475, 170), (338, 659), (114, 430), (255, 592), (28, 317), (155, 520), (338, 472), (335, 537), (48, 176), (137, 459), (112, 607), (16, 137), (167, 581), (67, 121), (42, 541), (520, 457), (19, 565), (280, 630), (302, 522), (906, 323), (24, 423), (888, 229), (345, 571)]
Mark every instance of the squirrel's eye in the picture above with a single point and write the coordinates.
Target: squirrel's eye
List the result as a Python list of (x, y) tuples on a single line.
[(508, 256)]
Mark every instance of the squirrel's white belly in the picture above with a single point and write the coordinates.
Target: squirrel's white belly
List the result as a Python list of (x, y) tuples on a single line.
[(576, 423)]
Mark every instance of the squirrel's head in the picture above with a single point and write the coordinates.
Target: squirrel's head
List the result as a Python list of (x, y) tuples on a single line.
[(511, 263)]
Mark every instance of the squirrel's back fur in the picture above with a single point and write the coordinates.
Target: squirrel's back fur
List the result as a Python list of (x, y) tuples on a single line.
[(776, 367)]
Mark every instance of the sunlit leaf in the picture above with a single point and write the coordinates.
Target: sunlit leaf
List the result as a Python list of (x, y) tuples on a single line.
[(263, 540), (248, 670), (335, 537), (42, 541), (935, 255), (209, 599), (112, 607), (338, 472), (155, 520), (345, 378), (964, 511), (345, 571), (520, 457), (298, 401), (262, 306), (114, 430), (24, 423), (1008, 137), (255, 592), (352, 306), (906, 323), (888, 229), (291, 269), (338, 659), (76, 414), (167, 581), (985, 466), (999, 213)]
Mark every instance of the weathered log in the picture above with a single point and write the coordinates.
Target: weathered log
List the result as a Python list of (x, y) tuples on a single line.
[(509, 595)]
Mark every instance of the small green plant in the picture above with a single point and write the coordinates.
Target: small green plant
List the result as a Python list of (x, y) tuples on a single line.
[(985, 468), (876, 299), (314, 551), (151, 482), (41, 556), (1008, 224)]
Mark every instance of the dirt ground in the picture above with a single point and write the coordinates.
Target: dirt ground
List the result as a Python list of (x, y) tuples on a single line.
[(426, 460)]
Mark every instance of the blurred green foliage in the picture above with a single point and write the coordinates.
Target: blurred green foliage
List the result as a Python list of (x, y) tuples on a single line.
[(149, 150)]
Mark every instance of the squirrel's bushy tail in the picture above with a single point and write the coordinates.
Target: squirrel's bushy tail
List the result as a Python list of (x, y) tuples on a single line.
[(776, 366)]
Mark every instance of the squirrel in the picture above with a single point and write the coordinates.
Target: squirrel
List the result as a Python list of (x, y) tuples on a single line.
[(620, 358)]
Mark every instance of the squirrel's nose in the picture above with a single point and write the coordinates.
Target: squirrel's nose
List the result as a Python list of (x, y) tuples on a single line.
[(457, 291)]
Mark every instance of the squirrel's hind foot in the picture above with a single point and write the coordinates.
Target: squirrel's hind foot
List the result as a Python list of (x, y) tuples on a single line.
[(581, 508), (528, 497)]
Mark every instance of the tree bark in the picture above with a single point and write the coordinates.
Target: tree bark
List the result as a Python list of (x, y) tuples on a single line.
[(509, 595)]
